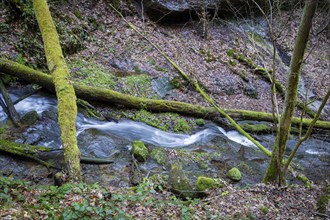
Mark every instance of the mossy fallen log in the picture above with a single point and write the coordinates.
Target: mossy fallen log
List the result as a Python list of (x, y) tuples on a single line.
[(29, 152), (67, 107), (113, 97), (25, 151)]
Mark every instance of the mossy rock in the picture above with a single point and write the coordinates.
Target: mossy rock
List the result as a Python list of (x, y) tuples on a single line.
[(29, 118), (160, 156), (179, 182), (234, 174), (230, 52), (182, 126), (203, 183), (200, 122), (140, 151)]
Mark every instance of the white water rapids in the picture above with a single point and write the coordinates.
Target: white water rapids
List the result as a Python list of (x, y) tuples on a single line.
[(131, 130)]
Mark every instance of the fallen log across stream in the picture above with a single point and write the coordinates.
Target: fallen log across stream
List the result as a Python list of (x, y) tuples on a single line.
[(155, 105), (30, 152)]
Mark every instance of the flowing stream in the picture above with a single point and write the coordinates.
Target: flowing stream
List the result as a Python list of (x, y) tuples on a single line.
[(109, 139), (130, 130)]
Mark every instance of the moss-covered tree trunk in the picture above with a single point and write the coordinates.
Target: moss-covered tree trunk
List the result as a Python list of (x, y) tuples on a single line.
[(113, 97), (67, 108), (273, 171)]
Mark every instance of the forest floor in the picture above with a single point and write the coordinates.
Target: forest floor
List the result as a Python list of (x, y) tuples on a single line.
[(94, 35), (152, 200)]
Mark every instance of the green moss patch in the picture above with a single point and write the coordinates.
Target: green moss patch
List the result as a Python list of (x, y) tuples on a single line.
[(203, 183), (159, 154), (234, 174), (179, 182), (88, 73), (200, 122), (181, 125), (164, 121), (140, 151), (137, 85)]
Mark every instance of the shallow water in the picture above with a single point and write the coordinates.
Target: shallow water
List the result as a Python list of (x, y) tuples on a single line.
[(109, 139)]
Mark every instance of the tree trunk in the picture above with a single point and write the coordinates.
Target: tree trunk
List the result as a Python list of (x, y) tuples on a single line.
[(8, 106), (113, 97), (67, 108), (273, 171)]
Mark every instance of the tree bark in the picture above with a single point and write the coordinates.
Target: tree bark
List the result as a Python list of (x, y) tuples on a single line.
[(67, 107), (8, 105), (113, 97), (273, 172)]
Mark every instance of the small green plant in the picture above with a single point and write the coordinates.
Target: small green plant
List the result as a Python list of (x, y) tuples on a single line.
[(3, 27), (176, 82), (182, 126), (160, 69), (20, 59), (264, 209), (200, 122)]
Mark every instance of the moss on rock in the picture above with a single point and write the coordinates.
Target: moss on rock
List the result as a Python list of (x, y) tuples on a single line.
[(182, 126), (140, 151), (234, 174), (29, 118), (160, 156), (179, 182), (256, 128), (200, 122), (203, 183)]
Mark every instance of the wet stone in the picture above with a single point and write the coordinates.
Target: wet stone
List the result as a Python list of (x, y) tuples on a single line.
[(29, 118), (162, 86)]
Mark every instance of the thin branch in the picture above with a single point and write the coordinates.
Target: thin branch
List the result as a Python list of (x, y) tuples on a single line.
[(197, 87), (308, 133)]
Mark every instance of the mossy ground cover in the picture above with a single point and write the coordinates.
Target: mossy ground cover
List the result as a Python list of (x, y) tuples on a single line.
[(137, 85), (164, 121), (88, 73)]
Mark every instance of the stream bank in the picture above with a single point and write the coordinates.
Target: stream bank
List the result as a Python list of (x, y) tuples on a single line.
[(205, 150)]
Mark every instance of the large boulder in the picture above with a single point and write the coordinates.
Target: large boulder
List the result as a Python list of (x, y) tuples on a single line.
[(184, 10)]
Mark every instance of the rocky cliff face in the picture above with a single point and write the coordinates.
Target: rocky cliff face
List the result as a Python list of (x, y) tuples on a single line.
[(183, 10)]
